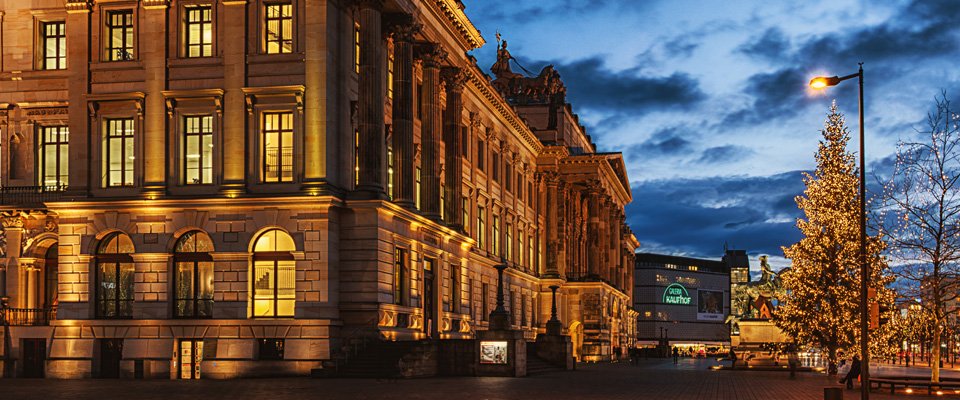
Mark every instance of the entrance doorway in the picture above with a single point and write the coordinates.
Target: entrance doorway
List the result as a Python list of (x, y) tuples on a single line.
[(576, 338), (429, 306), (34, 357), (191, 354), (50, 281), (111, 352)]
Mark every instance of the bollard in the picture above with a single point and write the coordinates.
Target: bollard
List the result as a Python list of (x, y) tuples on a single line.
[(832, 393)]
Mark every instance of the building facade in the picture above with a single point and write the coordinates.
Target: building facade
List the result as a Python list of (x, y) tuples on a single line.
[(226, 188), (683, 301)]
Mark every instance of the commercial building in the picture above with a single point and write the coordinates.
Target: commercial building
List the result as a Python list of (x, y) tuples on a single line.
[(226, 188), (683, 301)]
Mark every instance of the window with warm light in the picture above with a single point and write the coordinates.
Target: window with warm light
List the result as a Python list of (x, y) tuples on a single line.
[(274, 275), (509, 242), (198, 150), (115, 274), (496, 235), (53, 156), (193, 278), (465, 210), (416, 191), (390, 73), (277, 147), (356, 47), (119, 35), (481, 233), (278, 28), (399, 275), (118, 153), (198, 31), (53, 39)]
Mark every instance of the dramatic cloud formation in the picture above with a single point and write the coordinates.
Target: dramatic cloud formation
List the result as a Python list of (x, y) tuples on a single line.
[(708, 100)]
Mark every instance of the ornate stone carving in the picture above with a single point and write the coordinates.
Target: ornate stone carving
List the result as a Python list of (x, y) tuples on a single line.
[(402, 27), (454, 78), (78, 6), (431, 54), (546, 88), (48, 111), (11, 221)]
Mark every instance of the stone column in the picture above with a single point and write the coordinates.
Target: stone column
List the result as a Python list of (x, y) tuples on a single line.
[(13, 231), (373, 145), (593, 229), (153, 53), (454, 79), (78, 62), (432, 55), (30, 273), (404, 31), (233, 46), (550, 178)]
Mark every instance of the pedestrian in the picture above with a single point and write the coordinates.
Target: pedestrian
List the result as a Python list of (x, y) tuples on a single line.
[(676, 355), (733, 359), (854, 373)]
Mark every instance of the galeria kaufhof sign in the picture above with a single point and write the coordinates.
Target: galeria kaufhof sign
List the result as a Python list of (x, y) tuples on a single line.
[(676, 294)]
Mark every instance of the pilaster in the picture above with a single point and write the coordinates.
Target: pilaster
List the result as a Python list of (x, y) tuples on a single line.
[(432, 55)]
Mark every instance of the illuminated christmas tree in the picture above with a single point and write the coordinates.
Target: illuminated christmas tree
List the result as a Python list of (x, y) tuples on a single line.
[(822, 306)]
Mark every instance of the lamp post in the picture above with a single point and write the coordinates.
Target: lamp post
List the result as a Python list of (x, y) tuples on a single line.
[(822, 82)]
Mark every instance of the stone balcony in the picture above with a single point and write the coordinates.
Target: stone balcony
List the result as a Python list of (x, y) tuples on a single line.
[(29, 196), (28, 316)]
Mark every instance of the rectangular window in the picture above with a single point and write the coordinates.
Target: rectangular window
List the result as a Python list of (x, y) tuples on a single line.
[(480, 159), (399, 273), (455, 289), (520, 247), (465, 143), (496, 235), (53, 38), (481, 233), (523, 310), (509, 242), (356, 47), (507, 175), (356, 157), (495, 166), (420, 101), (443, 200), (390, 172), (198, 30), (484, 301), (53, 157), (271, 349), (198, 150), (118, 153), (416, 193), (465, 209), (531, 261), (277, 147), (390, 73), (119, 35), (519, 186), (278, 27)]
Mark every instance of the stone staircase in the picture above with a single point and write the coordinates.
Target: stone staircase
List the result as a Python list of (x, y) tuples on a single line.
[(537, 365)]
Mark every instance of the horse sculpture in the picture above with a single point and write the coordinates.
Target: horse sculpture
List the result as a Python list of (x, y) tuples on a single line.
[(755, 299)]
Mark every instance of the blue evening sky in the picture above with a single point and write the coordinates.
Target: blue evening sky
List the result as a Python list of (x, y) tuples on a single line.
[(708, 100)]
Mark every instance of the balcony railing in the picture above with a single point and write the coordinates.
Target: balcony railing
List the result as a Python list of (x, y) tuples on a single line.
[(29, 316), (30, 196)]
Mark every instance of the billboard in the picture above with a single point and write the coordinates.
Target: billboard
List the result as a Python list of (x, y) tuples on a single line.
[(710, 305)]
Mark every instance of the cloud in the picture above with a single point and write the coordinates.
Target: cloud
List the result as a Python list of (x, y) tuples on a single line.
[(776, 95), (723, 154), (771, 45), (697, 216)]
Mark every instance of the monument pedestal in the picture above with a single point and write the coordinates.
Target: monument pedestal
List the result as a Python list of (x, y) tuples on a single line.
[(501, 352), (555, 349)]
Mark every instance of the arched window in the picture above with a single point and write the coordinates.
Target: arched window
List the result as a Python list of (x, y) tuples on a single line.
[(274, 275), (115, 277), (193, 280)]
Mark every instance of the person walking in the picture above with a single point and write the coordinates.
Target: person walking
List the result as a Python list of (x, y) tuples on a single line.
[(733, 359), (794, 361), (853, 374), (676, 355)]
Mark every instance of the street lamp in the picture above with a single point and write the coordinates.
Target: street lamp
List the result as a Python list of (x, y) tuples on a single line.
[(822, 82)]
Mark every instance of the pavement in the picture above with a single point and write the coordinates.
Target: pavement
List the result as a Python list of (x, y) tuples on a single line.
[(652, 379)]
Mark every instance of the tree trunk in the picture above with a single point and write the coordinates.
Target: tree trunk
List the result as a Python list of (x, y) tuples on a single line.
[(832, 361), (935, 356)]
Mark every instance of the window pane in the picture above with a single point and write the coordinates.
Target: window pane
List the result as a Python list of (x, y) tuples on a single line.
[(286, 291), (263, 289), (184, 288)]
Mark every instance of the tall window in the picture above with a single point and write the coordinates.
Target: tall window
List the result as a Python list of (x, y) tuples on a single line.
[(274, 275), (53, 157), (115, 277), (465, 209), (465, 142), (399, 275), (278, 27), (198, 29), (390, 172), (416, 193), (390, 73), (531, 260), (356, 47), (509, 242), (277, 147), (118, 154), (519, 186), (356, 157), (480, 150), (53, 38), (198, 150), (520, 247), (481, 226), (495, 166), (507, 174), (496, 235), (119, 35), (455, 289), (484, 301), (194, 276)]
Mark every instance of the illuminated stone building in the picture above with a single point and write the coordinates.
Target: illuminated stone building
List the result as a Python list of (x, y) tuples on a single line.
[(225, 188)]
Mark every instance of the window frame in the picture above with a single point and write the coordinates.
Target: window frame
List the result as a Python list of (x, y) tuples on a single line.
[(111, 53), (62, 154), (401, 257), (280, 131), (275, 257), (186, 23), (265, 20), (61, 51), (185, 136), (194, 258), (103, 259), (105, 155)]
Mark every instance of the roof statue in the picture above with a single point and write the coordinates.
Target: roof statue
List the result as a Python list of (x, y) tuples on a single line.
[(545, 88)]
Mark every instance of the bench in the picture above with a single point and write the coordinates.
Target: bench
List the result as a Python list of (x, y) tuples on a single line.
[(894, 382)]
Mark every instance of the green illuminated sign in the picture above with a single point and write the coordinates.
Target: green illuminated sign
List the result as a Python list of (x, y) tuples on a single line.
[(676, 294)]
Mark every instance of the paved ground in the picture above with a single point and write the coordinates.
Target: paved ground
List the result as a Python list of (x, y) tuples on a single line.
[(653, 379)]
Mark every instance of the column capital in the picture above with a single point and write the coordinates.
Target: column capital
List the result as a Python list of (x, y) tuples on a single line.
[(368, 4), (402, 27), (454, 78), (593, 187), (11, 222), (431, 54), (77, 6)]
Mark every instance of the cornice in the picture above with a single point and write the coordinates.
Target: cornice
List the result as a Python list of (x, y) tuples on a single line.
[(459, 19), (492, 96)]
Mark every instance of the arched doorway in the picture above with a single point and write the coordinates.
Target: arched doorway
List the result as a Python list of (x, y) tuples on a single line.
[(576, 338), (50, 280)]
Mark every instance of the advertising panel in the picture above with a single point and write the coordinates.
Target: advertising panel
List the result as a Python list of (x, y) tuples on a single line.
[(710, 305)]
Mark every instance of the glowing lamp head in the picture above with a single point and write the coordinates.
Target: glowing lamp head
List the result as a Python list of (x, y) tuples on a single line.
[(822, 82)]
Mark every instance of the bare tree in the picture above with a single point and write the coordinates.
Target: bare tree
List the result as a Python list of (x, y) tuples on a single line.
[(922, 225)]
